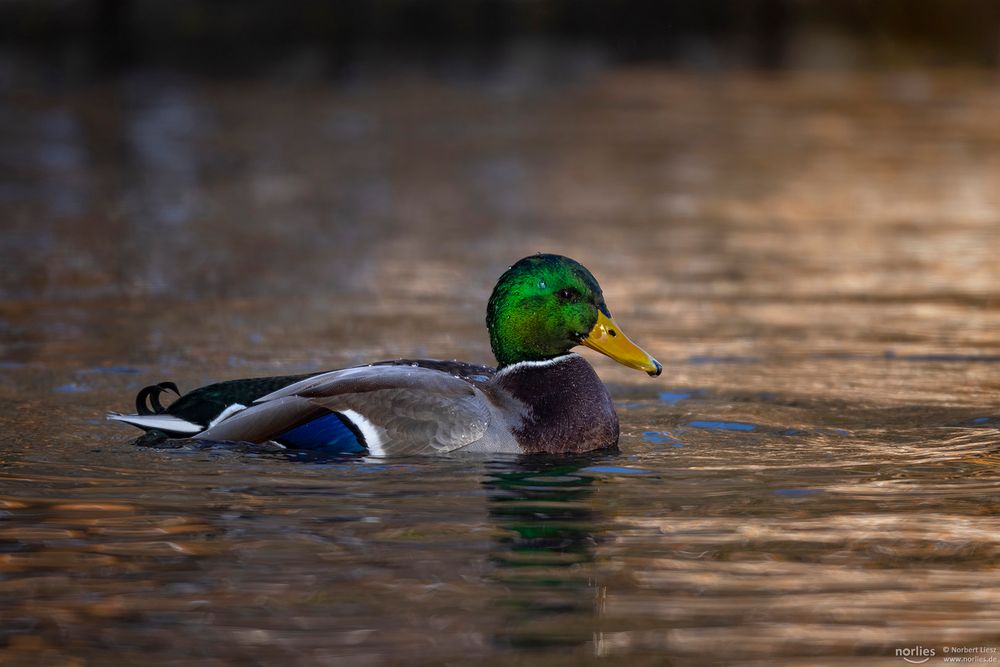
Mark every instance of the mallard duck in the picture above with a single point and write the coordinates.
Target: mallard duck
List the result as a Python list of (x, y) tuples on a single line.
[(541, 397)]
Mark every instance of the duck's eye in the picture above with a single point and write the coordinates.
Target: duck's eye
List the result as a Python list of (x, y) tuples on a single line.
[(567, 294)]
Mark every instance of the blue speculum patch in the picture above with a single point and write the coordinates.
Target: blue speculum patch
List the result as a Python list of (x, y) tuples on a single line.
[(326, 433)]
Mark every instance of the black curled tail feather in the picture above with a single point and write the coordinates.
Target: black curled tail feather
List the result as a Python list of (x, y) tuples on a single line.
[(147, 401)]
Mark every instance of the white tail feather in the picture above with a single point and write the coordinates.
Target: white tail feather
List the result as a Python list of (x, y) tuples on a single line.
[(167, 423)]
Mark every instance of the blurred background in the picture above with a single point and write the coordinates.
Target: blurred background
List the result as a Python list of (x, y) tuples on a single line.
[(349, 153), (308, 184), (222, 149), (454, 38), (793, 204)]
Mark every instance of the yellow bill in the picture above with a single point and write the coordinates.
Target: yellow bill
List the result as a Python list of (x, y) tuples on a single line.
[(607, 338)]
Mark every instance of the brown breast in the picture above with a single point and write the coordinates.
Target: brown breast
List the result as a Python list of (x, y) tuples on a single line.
[(569, 409)]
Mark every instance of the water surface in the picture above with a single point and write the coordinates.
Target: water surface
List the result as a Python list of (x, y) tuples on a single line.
[(813, 480)]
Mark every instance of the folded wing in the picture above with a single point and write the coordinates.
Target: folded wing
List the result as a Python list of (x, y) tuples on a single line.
[(393, 410)]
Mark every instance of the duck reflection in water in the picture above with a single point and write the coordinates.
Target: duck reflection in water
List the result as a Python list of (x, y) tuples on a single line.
[(549, 528)]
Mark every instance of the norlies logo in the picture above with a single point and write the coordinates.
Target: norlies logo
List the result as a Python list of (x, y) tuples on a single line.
[(917, 655)]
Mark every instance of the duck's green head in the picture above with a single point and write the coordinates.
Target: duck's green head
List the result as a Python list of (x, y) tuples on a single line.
[(547, 304)]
